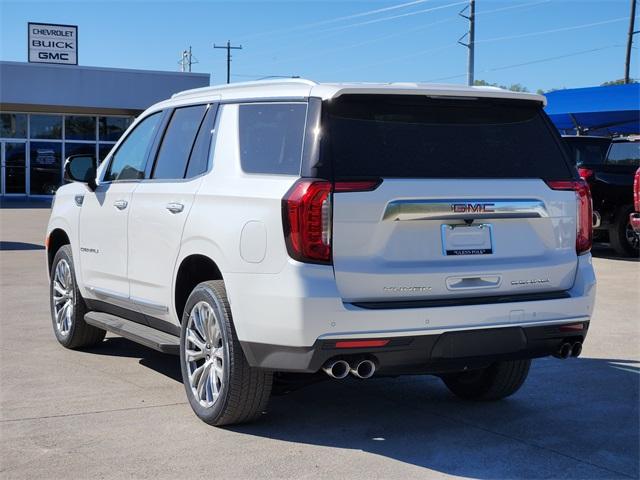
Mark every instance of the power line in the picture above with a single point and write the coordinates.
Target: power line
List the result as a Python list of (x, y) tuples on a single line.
[(228, 47)]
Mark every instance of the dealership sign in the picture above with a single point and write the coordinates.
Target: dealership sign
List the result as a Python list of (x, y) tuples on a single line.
[(51, 43)]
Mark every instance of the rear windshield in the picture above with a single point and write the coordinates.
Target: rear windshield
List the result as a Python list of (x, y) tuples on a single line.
[(585, 151), (624, 153), (420, 137)]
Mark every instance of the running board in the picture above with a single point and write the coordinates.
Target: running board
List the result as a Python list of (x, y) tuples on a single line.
[(136, 332)]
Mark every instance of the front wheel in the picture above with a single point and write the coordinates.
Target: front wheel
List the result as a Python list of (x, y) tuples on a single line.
[(221, 386), (624, 240), (498, 381)]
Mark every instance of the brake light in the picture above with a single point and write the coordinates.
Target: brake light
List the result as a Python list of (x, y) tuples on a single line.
[(636, 191), (307, 216), (584, 230), (585, 173)]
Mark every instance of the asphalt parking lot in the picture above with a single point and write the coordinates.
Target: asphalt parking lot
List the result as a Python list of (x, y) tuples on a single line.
[(119, 410)]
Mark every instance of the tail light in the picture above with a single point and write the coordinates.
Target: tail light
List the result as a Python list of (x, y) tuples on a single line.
[(307, 217), (585, 173), (636, 191), (584, 231)]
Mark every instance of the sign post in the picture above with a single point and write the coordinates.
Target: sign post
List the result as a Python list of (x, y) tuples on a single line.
[(52, 43)]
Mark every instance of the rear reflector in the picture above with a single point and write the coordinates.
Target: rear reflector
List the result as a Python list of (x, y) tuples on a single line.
[(574, 327), (357, 185), (584, 227), (361, 343)]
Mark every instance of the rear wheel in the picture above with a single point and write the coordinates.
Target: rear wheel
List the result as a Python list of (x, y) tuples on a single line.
[(624, 240), (221, 386), (67, 305), (498, 381)]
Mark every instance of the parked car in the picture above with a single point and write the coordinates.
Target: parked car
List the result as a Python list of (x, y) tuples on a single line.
[(268, 228), (611, 183), (634, 217)]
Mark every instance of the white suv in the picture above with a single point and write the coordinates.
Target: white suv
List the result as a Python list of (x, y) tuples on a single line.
[(266, 228)]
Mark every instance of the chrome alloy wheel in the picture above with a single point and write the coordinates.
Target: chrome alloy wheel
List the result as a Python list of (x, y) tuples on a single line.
[(62, 294), (204, 354), (632, 237)]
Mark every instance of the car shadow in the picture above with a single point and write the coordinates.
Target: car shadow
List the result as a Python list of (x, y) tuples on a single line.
[(575, 418), (604, 250), (14, 246)]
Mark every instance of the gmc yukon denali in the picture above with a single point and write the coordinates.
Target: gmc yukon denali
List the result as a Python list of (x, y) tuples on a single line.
[(273, 228)]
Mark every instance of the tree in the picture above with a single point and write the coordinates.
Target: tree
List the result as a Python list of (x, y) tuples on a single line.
[(515, 87), (618, 82)]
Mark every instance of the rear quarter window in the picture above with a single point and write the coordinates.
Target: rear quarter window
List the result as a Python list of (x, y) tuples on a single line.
[(271, 136), (624, 153)]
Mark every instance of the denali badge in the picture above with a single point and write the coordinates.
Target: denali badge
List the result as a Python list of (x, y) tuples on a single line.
[(89, 250), (533, 281), (407, 289), (472, 207)]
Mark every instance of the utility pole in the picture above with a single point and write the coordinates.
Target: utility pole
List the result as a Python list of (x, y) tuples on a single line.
[(631, 33), (187, 60), (228, 47), (471, 34)]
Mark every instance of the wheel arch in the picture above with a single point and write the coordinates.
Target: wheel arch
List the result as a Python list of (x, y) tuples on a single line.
[(193, 269), (56, 239)]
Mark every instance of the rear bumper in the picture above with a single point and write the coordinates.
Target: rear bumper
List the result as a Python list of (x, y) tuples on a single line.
[(282, 320), (446, 352), (634, 219)]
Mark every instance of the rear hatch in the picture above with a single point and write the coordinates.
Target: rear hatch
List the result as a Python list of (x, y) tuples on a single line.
[(463, 209)]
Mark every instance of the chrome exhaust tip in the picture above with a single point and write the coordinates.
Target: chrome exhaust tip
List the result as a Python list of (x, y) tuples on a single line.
[(337, 369), (576, 350), (363, 369)]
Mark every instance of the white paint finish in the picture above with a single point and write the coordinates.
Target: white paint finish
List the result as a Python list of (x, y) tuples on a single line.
[(155, 234), (253, 242), (103, 237)]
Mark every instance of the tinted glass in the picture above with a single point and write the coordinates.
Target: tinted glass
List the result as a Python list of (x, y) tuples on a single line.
[(174, 151), (15, 171), (199, 159), (103, 151), (585, 150), (13, 125), (46, 167), (112, 128), (79, 148), (77, 127), (46, 126), (271, 137), (129, 160), (419, 137), (624, 153)]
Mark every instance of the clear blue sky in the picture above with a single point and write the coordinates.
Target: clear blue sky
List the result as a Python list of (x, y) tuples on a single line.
[(345, 40)]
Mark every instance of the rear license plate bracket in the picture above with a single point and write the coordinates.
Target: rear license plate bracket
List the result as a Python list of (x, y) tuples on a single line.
[(464, 239)]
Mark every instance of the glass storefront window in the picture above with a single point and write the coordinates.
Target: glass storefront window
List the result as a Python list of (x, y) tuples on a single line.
[(46, 167), (103, 151), (79, 149), (14, 171), (79, 127), (112, 128), (46, 126), (13, 125)]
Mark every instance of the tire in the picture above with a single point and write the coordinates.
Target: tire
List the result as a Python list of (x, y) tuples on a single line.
[(621, 235), (498, 381), (68, 306), (228, 391)]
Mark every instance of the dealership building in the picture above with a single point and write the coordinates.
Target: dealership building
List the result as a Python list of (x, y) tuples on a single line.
[(51, 111)]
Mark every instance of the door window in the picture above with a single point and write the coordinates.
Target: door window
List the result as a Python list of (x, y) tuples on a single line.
[(177, 143), (130, 159)]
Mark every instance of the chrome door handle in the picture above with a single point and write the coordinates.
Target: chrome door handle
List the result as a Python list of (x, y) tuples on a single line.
[(120, 204), (175, 207)]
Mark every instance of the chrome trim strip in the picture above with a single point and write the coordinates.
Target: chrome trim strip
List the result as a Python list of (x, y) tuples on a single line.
[(462, 209), (102, 292), (150, 305)]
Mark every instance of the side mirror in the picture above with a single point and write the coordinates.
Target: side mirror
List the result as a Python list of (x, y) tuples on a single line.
[(81, 168)]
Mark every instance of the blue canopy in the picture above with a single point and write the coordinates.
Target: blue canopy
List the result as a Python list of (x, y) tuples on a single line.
[(607, 110)]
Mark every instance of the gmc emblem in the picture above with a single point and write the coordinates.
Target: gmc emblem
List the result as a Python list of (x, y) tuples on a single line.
[(472, 207)]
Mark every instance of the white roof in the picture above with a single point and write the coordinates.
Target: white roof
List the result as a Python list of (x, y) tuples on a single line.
[(302, 88)]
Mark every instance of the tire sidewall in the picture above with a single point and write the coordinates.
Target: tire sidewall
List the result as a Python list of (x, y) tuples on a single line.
[(204, 293), (64, 253), (621, 244)]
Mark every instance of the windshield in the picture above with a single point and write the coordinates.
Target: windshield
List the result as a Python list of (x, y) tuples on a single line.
[(411, 136), (585, 151), (624, 153)]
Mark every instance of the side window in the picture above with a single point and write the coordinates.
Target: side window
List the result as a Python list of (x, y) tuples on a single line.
[(128, 162), (271, 136), (199, 159), (177, 143)]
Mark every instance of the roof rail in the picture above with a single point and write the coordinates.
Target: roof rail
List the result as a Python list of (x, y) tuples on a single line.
[(241, 85)]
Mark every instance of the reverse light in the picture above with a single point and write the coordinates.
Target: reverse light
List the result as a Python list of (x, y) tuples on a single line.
[(584, 230)]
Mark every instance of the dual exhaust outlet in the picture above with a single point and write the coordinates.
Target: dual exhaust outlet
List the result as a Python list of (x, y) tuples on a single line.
[(339, 369), (567, 350)]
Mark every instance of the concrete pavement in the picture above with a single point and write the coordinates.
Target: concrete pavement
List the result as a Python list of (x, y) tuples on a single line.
[(119, 410)]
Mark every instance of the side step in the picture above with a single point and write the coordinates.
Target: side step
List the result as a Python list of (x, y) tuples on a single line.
[(136, 332)]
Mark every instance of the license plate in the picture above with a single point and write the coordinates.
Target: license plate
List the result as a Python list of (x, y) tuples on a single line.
[(467, 239)]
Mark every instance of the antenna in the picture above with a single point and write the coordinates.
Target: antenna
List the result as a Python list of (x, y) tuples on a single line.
[(187, 60)]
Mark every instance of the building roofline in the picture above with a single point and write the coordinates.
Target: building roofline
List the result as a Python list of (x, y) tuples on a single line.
[(92, 68)]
